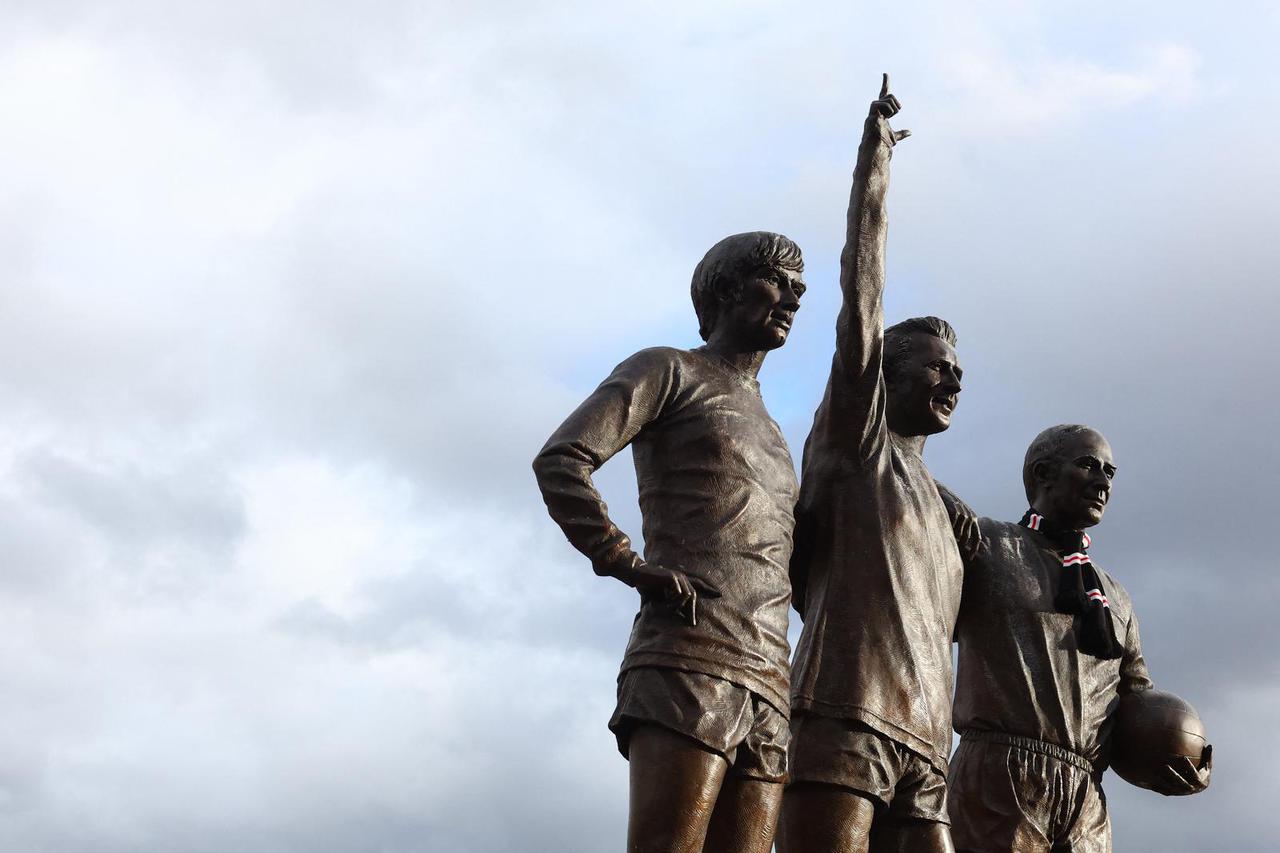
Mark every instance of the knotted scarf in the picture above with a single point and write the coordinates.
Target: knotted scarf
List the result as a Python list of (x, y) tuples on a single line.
[(1080, 589)]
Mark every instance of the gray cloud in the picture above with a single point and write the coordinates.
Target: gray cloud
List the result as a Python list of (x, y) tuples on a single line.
[(297, 292)]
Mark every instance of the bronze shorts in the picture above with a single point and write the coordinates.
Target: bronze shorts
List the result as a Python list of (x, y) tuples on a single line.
[(722, 716), (847, 753), (1025, 795)]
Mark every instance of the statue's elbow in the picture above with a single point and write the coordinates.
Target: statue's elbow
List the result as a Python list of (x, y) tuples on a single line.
[(543, 464), (549, 466)]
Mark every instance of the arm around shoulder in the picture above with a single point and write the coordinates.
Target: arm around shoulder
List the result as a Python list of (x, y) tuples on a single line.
[(964, 523)]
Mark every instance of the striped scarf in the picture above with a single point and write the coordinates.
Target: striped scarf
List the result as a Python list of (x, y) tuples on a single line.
[(1080, 589)]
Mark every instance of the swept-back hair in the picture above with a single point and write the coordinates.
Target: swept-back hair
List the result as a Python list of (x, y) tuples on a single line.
[(897, 339)]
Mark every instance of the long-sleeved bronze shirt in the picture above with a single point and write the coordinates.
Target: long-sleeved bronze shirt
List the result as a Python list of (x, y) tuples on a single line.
[(717, 491), (876, 570), (1019, 669)]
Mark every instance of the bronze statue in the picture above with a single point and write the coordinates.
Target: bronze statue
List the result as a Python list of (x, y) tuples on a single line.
[(1048, 644), (876, 572), (702, 694)]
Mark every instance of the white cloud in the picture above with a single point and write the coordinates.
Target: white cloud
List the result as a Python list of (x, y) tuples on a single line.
[(1016, 96)]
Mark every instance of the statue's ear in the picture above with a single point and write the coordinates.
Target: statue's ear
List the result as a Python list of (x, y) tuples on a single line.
[(729, 292), (729, 289), (1041, 471)]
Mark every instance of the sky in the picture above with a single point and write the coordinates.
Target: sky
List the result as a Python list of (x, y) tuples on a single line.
[(294, 292)]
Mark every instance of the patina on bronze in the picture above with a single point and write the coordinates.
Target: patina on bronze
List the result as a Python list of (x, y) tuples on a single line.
[(1032, 707), (702, 695), (876, 572)]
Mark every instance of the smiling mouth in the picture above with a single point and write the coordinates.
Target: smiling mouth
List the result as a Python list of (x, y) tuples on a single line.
[(1097, 500), (783, 322), (947, 403)]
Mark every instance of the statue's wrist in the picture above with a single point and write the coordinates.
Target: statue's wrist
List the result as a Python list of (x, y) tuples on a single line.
[(619, 562), (877, 131)]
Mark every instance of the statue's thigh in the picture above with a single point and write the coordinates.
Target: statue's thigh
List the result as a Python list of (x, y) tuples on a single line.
[(821, 818), (675, 782)]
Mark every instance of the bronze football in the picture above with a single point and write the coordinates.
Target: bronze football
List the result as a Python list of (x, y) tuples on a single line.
[(1152, 729)]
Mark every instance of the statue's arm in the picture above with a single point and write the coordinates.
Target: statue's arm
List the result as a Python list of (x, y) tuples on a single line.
[(1133, 666), (852, 409), (964, 522), (849, 423), (606, 422)]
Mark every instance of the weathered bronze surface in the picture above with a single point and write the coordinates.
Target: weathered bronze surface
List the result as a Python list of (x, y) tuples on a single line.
[(876, 572), (702, 697), (1032, 709)]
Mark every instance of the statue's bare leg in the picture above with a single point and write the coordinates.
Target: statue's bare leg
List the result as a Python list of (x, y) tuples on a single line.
[(818, 818), (911, 836), (674, 786), (745, 816)]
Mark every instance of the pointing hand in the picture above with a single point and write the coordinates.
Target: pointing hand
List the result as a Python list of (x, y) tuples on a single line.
[(886, 107)]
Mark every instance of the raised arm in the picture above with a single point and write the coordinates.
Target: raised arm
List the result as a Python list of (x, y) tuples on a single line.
[(607, 421), (849, 425), (853, 407)]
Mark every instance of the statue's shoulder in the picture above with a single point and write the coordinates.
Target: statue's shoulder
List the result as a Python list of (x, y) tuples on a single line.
[(994, 528), (653, 360), (1115, 590), (658, 356), (667, 353), (1007, 543), (687, 363), (665, 371)]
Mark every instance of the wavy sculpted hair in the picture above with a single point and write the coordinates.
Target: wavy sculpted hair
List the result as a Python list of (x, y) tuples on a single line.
[(720, 274)]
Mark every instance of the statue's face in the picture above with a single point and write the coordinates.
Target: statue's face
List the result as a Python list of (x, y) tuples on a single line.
[(924, 390), (1074, 490), (761, 318)]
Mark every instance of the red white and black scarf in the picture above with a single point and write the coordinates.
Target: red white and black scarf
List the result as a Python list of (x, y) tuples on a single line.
[(1080, 589)]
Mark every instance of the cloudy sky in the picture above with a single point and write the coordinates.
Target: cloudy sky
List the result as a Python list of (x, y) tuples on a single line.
[(294, 291)]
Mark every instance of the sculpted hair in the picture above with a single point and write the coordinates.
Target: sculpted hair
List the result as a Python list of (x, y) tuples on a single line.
[(720, 273), (1047, 447), (897, 339)]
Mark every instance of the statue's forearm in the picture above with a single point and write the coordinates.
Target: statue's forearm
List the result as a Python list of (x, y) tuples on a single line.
[(955, 506)]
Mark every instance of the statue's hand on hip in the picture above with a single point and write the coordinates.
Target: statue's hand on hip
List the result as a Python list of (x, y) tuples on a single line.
[(674, 588)]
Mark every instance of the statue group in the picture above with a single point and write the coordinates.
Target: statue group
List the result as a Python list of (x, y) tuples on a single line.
[(847, 747)]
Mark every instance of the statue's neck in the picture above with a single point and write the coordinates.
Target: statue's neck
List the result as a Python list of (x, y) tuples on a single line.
[(748, 362), (913, 443)]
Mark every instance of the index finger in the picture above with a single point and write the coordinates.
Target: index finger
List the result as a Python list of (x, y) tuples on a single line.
[(884, 85)]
